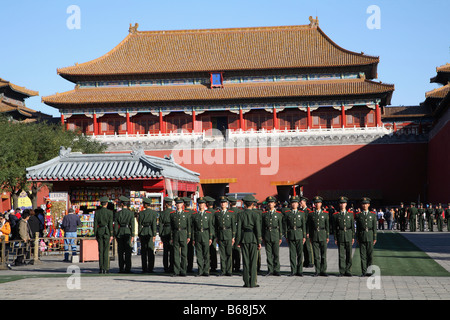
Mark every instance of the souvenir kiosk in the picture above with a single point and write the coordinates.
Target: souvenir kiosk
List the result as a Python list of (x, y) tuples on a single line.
[(87, 177)]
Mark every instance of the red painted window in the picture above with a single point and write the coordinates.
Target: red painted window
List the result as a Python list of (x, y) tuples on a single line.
[(179, 122), (292, 119), (146, 124)]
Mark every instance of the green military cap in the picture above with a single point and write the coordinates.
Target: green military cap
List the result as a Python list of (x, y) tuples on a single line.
[(250, 198), (186, 199), (223, 199), (201, 200), (168, 199), (124, 199), (147, 201), (365, 200), (271, 199), (318, 199), (232, 199), (104, 199), (295, 199), (343, 199), (413, 203), (179, 200), (303, 198), (401, 203)]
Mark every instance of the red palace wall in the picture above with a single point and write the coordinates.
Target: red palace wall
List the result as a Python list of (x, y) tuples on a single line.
[(439, 166), (397, 172)]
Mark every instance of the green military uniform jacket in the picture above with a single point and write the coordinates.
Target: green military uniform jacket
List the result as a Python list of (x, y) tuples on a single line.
[(202, 226), (272, 226), (429, 212), (319, 225), (439, 213), (366, 226), (412, 212), (295, 225), (103, 222), (344, 226), (180, 224), (124, 223), (249, 227), (164, 222), (225, 224), (147, 223)]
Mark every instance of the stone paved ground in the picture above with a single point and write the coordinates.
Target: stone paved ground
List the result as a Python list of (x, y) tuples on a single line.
[(160, 286)]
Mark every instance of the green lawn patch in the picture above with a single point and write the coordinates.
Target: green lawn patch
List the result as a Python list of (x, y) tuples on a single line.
[(397, 256)]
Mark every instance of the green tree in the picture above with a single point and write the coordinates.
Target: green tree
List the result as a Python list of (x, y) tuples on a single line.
[(23, 145)]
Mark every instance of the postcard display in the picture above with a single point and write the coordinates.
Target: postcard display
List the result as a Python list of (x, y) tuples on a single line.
[(88, 199)]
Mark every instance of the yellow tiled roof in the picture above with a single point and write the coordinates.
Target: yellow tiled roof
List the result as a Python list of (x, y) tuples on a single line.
[(22, 90), (85, 96), (207, 50)]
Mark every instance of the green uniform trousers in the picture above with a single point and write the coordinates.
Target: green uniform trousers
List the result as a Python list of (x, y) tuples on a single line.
[(320, 256), (308, 253), (345, 257), (225, 252), (203, 257), (273, 256), (366, 254), (103, 252), (296, 256), (249, 261), (147, 253), (180, 257), (124, 249)]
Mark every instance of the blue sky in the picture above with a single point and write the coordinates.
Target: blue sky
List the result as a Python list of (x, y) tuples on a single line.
[(413, 40)]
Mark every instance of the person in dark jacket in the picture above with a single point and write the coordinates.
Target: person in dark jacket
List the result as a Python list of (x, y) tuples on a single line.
[(70, 224)]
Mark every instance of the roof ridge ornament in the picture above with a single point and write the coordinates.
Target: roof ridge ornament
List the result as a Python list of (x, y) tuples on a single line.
[(138, 152), (313, 23), (133, 29), (63, 152)]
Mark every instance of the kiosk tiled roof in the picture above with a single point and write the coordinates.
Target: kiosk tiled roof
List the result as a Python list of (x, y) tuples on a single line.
[(209, 50), (27, 92), (73, 166)]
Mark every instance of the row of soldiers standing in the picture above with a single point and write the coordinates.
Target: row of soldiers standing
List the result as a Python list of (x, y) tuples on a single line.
[(419, 215), (238, 232)]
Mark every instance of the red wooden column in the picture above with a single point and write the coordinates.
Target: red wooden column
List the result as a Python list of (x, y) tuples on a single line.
[(308, 118), (62, 119), (241, 120), (343, 119), (95, 124), (193, 120), (275, 120), (129, 129), (378, 115), (161, 122)]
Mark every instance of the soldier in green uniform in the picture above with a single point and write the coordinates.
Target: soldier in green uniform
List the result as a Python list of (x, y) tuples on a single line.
[(319, 235), (103, 231), (165, 235), (307, 248), (225, 227), (344, 236), (366, 234), (202, 233), (124, 225), (249, 240), (421, 218), (430, 217), (439, 213), (190, 252), (236, 253), (295, 234), (212, 248), (412, 215), (180, 224), (402, 217), (272, 228), (447, 216), (147, 226)]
